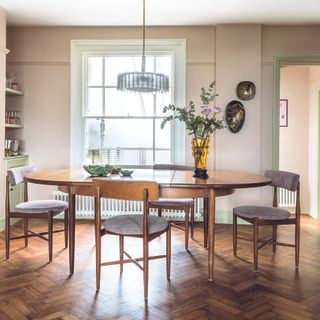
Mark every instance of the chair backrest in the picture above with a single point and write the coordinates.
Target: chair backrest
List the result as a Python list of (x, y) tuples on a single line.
[(172, 167), (16, 175), (283, 179), (125, 189), (286, 180)]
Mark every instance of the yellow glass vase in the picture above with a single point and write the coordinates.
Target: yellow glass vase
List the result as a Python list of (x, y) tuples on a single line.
[(200, 154)]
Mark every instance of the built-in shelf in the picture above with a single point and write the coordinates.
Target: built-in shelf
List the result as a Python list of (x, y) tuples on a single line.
[(20, 156), (12, 92), (14, 126)]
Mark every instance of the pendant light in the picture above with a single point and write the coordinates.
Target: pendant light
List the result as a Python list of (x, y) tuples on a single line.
[(143, 81)]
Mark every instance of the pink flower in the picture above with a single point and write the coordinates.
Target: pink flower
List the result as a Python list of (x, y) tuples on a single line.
[(206, 111), (187, 108), (217, 109)]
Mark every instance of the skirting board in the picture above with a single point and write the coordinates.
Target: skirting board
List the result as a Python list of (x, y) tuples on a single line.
[(222, 217)]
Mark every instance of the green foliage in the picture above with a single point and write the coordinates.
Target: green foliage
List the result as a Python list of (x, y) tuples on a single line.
[(200, 126)]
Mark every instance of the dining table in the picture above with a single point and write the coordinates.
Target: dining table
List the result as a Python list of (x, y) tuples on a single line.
[(172, 184)]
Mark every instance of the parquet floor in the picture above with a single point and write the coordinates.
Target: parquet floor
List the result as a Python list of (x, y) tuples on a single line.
[(30, 288)]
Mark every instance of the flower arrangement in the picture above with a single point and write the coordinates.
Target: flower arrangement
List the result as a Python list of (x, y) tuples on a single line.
[(200, 126)]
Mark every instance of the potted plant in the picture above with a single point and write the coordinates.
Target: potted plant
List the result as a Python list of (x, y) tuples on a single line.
[(200, 126)]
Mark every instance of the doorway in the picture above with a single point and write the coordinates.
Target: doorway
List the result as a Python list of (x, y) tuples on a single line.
[(296, 127)]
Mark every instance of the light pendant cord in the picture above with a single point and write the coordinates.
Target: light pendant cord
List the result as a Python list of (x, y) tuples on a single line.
[(143, 65)]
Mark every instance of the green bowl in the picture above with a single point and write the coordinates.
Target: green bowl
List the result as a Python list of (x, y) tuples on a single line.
[(126, 173), (96, 170)]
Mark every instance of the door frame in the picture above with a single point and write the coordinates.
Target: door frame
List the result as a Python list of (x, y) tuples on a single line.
[(280, 61)]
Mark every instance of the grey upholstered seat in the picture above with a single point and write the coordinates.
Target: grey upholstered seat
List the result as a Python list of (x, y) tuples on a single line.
[(42, 209), (260, 212), (41, 206), (271, 216), (173, 201), (182, 204), (132, 224)]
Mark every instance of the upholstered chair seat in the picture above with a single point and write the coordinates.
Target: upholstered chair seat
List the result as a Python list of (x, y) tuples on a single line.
[(36, 209), (41, 206), (260, 212), (141, 226), (271, 216), (132, 225), (179, 204)]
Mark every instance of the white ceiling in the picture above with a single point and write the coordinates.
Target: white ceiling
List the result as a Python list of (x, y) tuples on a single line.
[(159, 12)]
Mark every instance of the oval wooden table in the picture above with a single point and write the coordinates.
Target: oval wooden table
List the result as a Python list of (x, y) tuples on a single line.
[(172, 184)]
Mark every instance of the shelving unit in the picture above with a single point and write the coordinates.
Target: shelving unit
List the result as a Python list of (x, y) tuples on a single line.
[(13, 92), (11, 127), (16, 193), (14, 126)]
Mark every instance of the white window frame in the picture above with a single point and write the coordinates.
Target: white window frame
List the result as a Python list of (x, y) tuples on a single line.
[(81, 48)]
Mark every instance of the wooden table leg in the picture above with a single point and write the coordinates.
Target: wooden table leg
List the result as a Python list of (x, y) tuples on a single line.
[(205, 222), (72, 213), (211, 232)]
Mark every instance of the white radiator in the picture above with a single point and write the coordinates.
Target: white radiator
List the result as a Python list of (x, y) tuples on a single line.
[(112, 207), (287, 199)]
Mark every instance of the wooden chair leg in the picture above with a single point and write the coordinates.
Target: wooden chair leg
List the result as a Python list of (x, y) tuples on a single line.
[(297, 244), (98, 258), (7, 236), (145, 267), (274, 238), (168, 252), (121, 245), (66, 226), (192, 221), (205, 222), (235, 234), (50, 234), (187, 213), (255, 244), (25, 229)]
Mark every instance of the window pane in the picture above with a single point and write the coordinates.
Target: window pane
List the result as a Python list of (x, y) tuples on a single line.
[(128, 133), (92, 138), (164, 65), (163, 136), (116, 65), (162, 99), (95, 71), (120, 103), (162, 156), (124, 156), (92, 156), (94, 102)]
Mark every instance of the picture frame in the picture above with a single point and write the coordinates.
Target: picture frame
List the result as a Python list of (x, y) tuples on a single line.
[(283, 113)]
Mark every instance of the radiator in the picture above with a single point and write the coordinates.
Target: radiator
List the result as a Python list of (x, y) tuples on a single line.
[(112, 207), (287, 199)]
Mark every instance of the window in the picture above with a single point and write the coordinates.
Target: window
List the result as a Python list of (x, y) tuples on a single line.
[(115, 127)]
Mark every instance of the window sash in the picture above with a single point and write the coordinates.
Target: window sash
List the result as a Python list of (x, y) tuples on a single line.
[(82, 48)]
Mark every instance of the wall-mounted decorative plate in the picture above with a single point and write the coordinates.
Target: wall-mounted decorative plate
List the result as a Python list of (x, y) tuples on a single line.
[(235, 116), (246, 90)]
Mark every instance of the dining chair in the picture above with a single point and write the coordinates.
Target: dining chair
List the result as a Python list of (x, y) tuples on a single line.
[(271, 216), (144, 226), (180, 204), (43, 209)]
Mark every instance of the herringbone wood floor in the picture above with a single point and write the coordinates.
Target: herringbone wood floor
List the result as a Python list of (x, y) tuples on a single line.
[(30, 288)]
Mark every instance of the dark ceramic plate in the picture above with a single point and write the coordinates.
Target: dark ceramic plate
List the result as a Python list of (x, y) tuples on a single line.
[(235, 116), (246, 90)]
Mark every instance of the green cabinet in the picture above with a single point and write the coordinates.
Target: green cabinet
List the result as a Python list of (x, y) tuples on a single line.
[(16, 192)]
